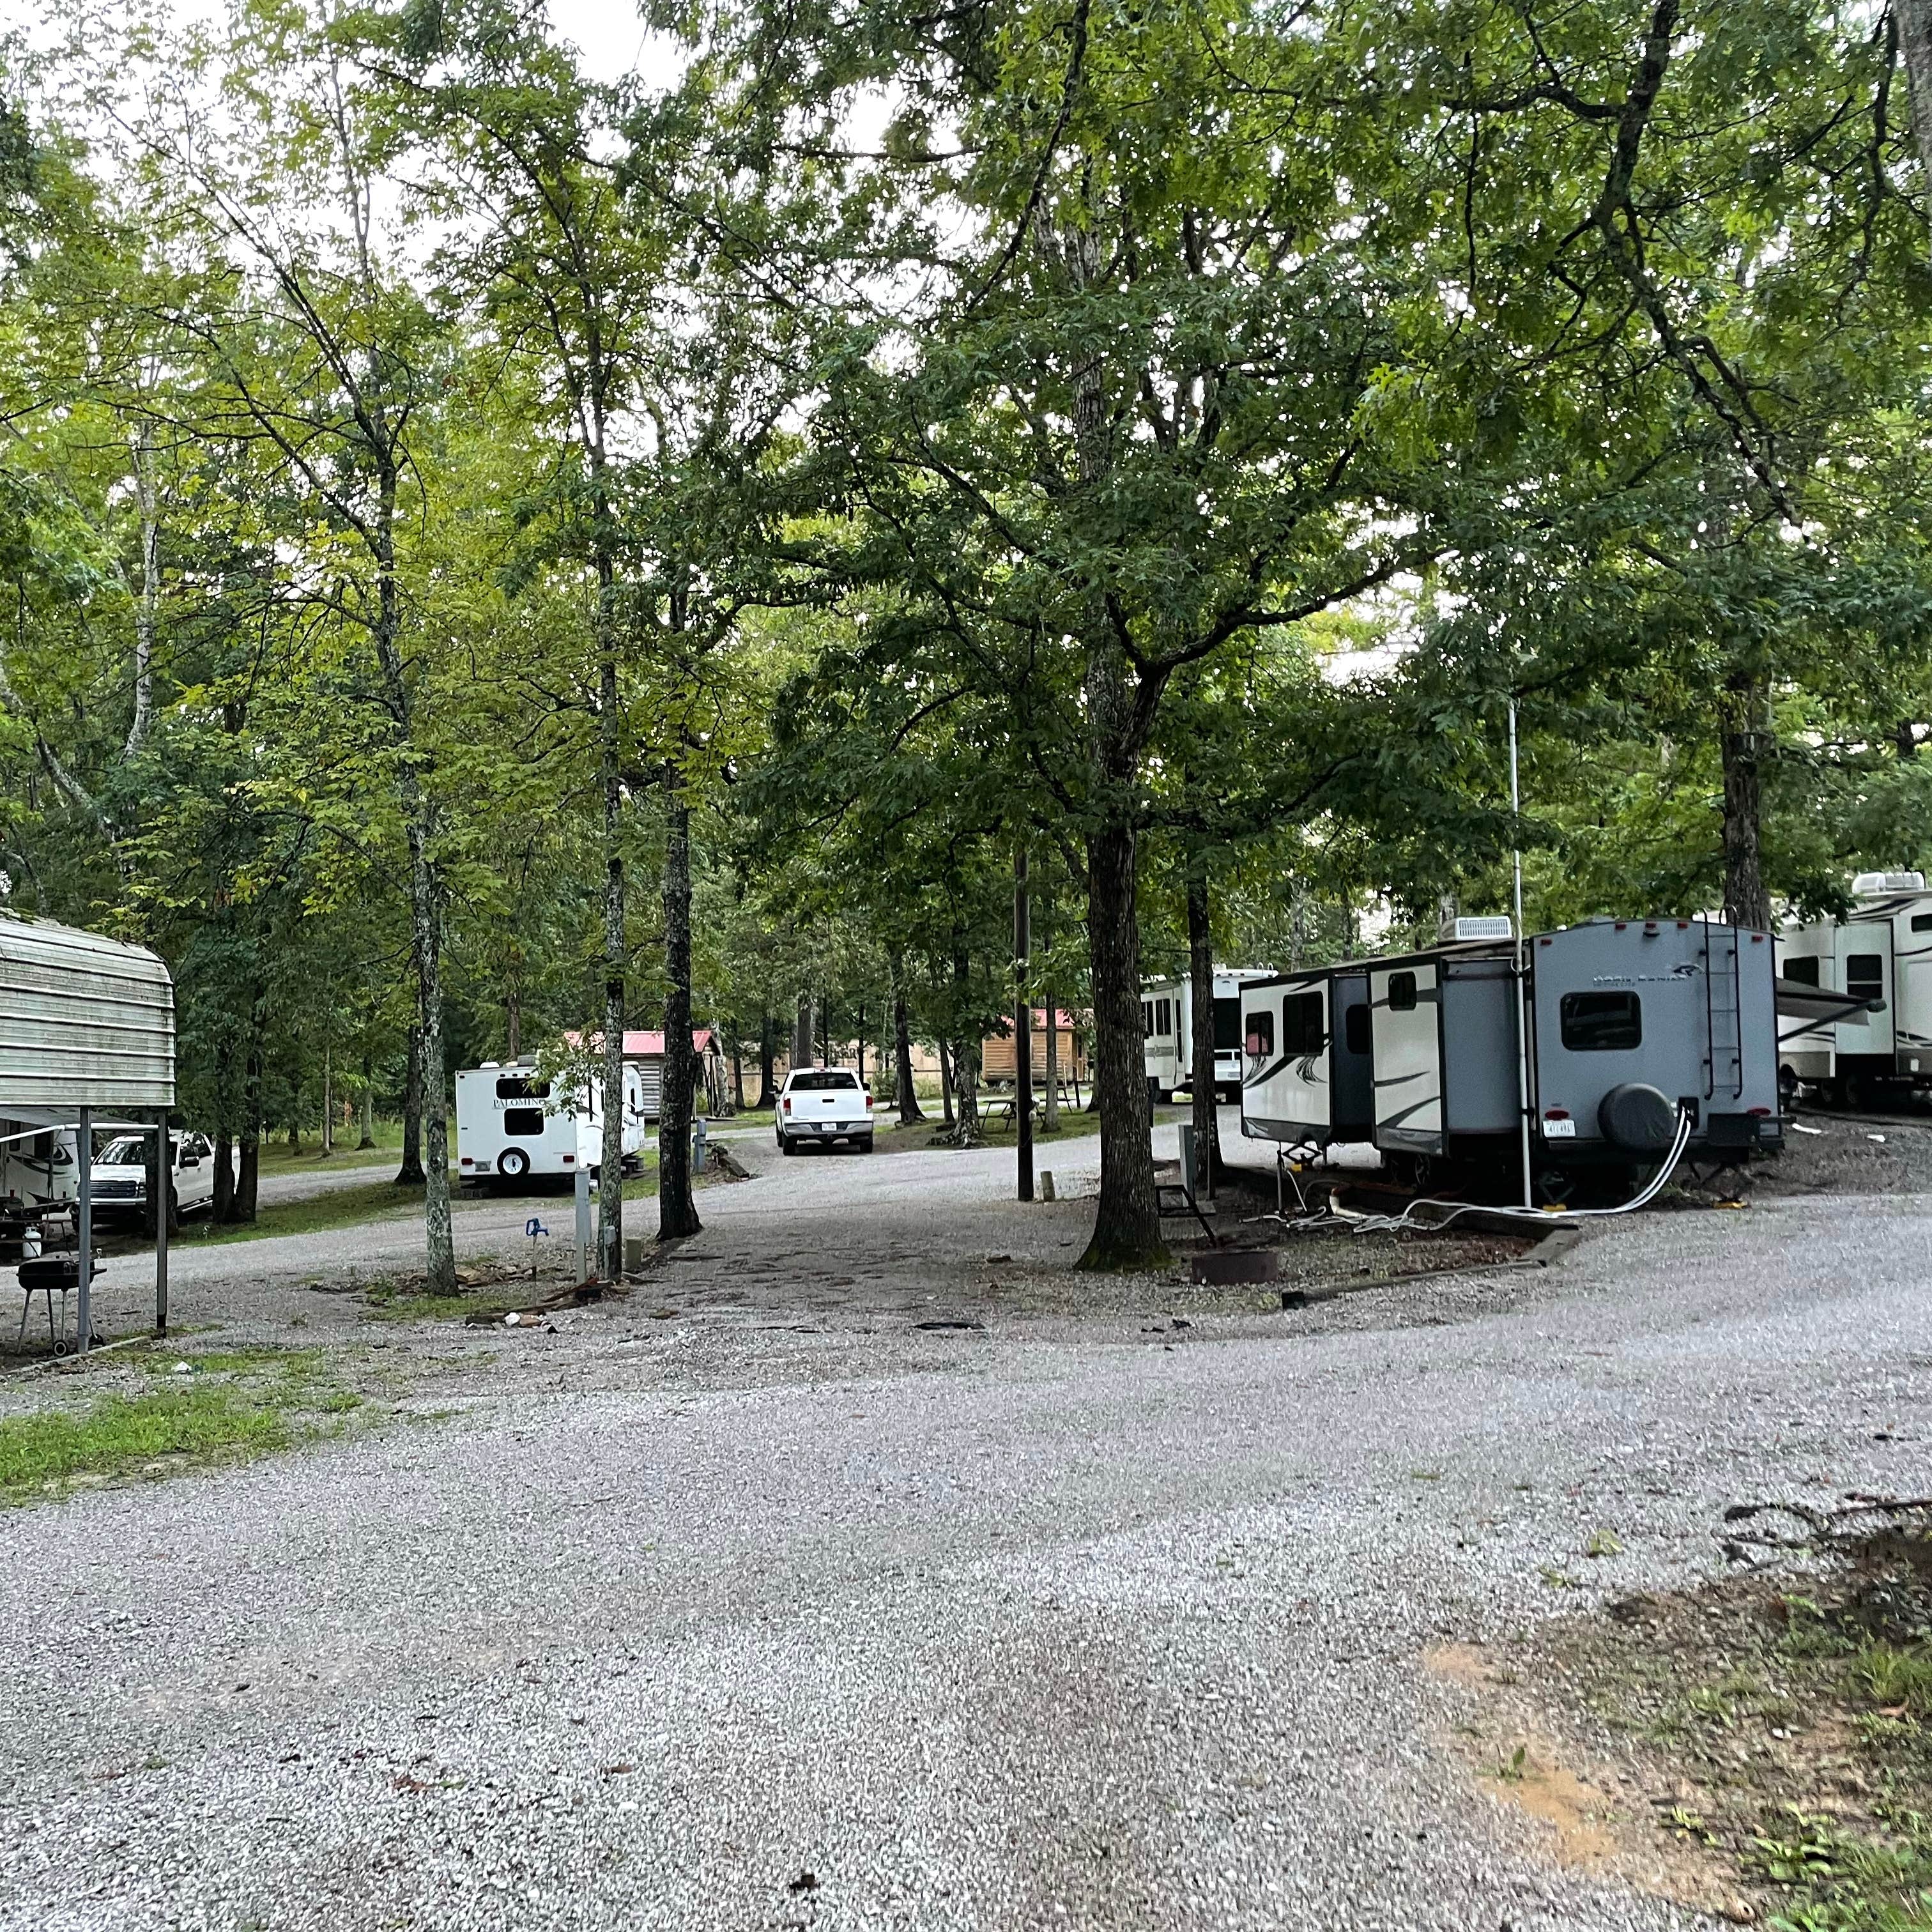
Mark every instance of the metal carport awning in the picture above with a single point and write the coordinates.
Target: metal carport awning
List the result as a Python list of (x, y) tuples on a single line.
[(87, 1030)]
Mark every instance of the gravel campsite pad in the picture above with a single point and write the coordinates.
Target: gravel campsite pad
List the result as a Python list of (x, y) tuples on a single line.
[(862, 1565)]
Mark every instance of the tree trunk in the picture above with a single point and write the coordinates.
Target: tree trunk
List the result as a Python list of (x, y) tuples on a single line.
[(409, 1173), (737, 1067), (513, 1021), (1915, 35), (1744, 744), (946, 1087), (908, 1100), (148, 602), (610, 1163), (368, 1137), (768, 1091), (221, 1208), (802, 1032), (677, 1215), (328, 1098), (426, 925), (862, 1044), (1209, 1170), (245, 1186), (965, 1047), (1127, 1225)]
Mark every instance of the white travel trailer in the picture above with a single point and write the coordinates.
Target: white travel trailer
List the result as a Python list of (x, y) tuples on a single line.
[(1881, 953), (1167, 1021), (1633, 1027), (513, 1122)]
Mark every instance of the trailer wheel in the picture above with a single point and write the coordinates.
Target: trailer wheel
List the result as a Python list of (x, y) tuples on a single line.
[(513, 1164)]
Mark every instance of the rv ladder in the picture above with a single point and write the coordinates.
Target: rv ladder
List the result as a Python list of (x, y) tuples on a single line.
[(1723, 1020)]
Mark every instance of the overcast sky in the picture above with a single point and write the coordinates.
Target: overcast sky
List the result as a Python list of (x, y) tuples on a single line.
[(608, 32)]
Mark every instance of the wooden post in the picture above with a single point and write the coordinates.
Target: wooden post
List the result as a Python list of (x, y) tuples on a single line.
[(1023, 1027)]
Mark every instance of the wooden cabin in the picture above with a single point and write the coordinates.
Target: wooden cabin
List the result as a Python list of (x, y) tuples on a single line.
[(997, 1058)]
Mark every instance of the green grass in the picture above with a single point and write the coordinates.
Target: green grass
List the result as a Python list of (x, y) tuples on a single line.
[(385, 1305), (1889, 1675), (276, 1156), (235, 1406), (339, 1207)]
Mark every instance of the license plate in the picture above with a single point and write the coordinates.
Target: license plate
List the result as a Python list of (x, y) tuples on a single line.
[(1559, 1130)]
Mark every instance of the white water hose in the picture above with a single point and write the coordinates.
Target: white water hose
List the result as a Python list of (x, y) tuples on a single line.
[(1382, 1224)]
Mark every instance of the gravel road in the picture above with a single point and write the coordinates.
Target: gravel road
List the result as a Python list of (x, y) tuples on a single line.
[(784, 1612)]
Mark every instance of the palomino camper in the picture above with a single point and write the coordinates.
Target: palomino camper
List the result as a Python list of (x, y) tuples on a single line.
[(1308, 1078), (1167, 1021), (1633, 1024), (514, 1121), (1879, 954)]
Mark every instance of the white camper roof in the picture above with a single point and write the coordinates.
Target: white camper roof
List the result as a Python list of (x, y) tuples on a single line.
[(84, 1021)]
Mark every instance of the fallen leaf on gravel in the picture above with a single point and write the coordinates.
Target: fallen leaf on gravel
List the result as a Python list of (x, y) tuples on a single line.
[(806, 1881), (619, 1770), (406, 1782)]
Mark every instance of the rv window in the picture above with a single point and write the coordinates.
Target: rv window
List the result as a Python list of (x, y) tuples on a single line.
[(1147, 1018), (1301, 1024), (1864, 974), (1227, 1026), (1355, 1029), (1801, 972), (1921, 922), (1602, 1022), (526, 1121), (1261, 1034), (1401, 992), (1163, 1018), (523, 1090)]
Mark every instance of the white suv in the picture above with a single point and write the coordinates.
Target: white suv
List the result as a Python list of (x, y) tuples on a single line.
[(823, 1103)]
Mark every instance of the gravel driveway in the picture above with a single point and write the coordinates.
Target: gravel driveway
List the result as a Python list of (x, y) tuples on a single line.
[(784, 1612)]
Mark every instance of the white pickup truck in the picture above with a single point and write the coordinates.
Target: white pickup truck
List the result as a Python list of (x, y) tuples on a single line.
[(120, 1178), (824, 1104)]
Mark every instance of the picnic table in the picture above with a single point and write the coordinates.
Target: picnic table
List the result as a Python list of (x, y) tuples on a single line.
[(1003, 1106)]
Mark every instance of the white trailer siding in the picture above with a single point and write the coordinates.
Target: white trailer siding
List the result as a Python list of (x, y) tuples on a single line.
[(1881, 951), (1287, 1091), (1167, 1021), (1405, 1000)]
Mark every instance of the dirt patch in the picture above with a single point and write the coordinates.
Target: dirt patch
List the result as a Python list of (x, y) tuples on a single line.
[(1824, 1153), (1761, 1747)]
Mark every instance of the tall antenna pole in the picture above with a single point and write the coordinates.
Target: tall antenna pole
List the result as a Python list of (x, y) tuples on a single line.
[(1522, 969)]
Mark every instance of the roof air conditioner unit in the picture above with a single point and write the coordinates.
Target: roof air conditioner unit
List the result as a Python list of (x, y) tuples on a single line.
[(1490, 925), (1867, 883)]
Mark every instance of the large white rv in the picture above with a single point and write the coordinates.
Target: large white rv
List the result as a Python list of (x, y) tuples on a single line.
[(1880, 952), (513, 1122), (1167, 1021)]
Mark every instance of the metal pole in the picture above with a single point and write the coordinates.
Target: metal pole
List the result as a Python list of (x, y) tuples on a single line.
[(1022, 1026), (1522, 972), (164, 1168), (84, 1221)]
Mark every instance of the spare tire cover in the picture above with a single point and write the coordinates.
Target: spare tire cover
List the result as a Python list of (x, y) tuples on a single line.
[(1637, 1118)]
